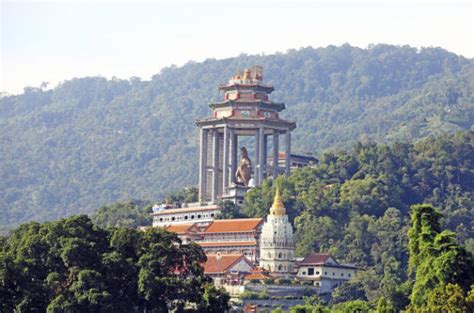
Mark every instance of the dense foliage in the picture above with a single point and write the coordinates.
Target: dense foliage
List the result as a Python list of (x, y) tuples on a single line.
[(441, 276), (356, 205), (72, 265), (132, 214), (91, 141)]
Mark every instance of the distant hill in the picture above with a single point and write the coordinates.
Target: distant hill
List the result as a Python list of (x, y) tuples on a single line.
[(92, 141)]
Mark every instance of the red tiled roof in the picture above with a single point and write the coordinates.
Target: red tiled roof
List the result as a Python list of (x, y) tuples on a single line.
[(259, 276), (226, 243), (222, 263), (234, 225), (315, 258), (179, 228)]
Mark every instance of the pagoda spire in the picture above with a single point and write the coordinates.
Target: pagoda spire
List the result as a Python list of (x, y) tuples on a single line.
[(278, 209)]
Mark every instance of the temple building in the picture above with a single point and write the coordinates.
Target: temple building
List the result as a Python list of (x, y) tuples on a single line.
[(324, 271), (227, 268), (191, 213), (231, 236), (245, 111), (243, 250), (277, 248)]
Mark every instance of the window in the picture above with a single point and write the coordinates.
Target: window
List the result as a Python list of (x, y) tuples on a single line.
[(342, 274), (333, 274), (325, 273), (199, 215), (310, 271), (212, 214), (173, 218), (349, 274), (192, 217), (186, 217), (303, 273), (317, 273), (161, 219)]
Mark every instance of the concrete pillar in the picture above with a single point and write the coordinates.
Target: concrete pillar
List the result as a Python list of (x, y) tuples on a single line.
[(261, 155), (202, 164), (215, 164), (287, 152), (265, 156), (275, 152), (257, 157), (233, 155), (225, 160)]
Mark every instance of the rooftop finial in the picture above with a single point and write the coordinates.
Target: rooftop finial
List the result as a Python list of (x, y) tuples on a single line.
[(277, 208), (247, 74)]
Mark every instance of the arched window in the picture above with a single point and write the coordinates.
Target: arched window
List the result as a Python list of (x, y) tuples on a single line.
[(279, 267), (279, 255)]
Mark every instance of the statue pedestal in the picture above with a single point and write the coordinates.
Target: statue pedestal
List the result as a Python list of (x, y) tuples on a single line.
[(236, 194)]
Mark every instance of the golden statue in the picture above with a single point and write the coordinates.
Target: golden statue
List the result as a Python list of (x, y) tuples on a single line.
[(244, 170)]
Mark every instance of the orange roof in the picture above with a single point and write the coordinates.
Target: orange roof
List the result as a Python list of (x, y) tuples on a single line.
[(222, 263), (258, 276), (226, 243), (179, 228), (185, 210), (234, 225)]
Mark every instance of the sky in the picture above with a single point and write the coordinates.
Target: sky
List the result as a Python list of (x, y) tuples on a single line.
[(58, 40)]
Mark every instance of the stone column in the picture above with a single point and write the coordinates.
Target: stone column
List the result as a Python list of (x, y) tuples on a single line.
[(257, 157), (261, 155), (287, 152), (225, 160), (202, 164), (265, 156), (275, 153), (233, 155), (215, 164)]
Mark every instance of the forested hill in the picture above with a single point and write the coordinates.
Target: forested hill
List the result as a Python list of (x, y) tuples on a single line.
[(93, 141)]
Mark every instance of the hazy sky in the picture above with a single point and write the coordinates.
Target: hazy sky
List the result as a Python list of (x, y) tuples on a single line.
[(55, 41)]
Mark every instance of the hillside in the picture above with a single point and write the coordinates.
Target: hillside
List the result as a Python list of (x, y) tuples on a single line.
[(92, 141)]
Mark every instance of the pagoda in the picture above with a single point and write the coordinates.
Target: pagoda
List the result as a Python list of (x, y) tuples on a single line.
[(245, 111), (277, 247)]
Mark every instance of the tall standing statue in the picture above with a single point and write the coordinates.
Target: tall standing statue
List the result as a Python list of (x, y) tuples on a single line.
[(244, 170)]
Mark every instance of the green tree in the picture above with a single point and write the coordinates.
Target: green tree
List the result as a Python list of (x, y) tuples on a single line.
[(435, 257)]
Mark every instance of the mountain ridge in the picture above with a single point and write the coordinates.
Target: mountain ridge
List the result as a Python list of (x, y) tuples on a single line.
[(92, 141)]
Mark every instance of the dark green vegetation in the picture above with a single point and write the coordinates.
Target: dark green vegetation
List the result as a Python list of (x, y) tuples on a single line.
[(91, 141), (130, 214), (356, 205), (74, 266), (440, 276)]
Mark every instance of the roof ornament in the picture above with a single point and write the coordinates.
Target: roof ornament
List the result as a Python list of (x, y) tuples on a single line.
[(247, 74), (278, 208)]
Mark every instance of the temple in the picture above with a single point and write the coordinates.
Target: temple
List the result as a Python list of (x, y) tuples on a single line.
[(242, 251), (277, 248), (245, 111)]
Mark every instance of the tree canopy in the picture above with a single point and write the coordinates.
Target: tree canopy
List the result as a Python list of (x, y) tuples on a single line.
[(72, 265)]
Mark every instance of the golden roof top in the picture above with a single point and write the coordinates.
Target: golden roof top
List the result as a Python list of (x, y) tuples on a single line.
[(247, 74), (277, 208)]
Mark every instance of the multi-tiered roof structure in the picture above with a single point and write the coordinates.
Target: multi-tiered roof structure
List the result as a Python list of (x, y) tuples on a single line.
[(246, 110)]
